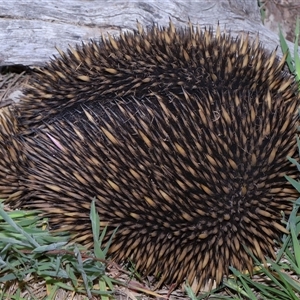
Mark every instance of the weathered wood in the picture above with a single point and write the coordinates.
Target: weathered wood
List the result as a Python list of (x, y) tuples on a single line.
[(31, 29)]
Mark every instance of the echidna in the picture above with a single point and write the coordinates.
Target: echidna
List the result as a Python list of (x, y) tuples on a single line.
[(181, 136)]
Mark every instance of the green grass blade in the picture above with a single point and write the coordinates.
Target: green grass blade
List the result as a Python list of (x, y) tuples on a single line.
[(10, 221), (296, 55), (285, 50)]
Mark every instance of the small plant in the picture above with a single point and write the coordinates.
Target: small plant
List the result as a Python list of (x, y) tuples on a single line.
[(292, 62), (30, 254)]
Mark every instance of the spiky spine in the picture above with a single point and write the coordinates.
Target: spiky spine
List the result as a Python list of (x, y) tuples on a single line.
[(180, 135)]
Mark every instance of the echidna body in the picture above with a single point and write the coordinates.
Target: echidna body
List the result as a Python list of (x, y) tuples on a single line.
[(181, 136)]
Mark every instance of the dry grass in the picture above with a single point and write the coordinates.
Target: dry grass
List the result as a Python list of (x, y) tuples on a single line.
[(11, 84)]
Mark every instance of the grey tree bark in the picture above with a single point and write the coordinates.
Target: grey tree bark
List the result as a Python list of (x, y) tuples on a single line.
[(31, 29)]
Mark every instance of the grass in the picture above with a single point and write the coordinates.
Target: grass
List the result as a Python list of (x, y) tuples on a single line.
[(36, 264), (30, 254), (262, 10), (293, 61)]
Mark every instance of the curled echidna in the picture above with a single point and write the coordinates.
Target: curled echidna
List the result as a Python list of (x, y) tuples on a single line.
[(182, 137)]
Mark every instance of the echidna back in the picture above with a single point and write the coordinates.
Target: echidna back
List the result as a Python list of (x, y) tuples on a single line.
[(181, 136)]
